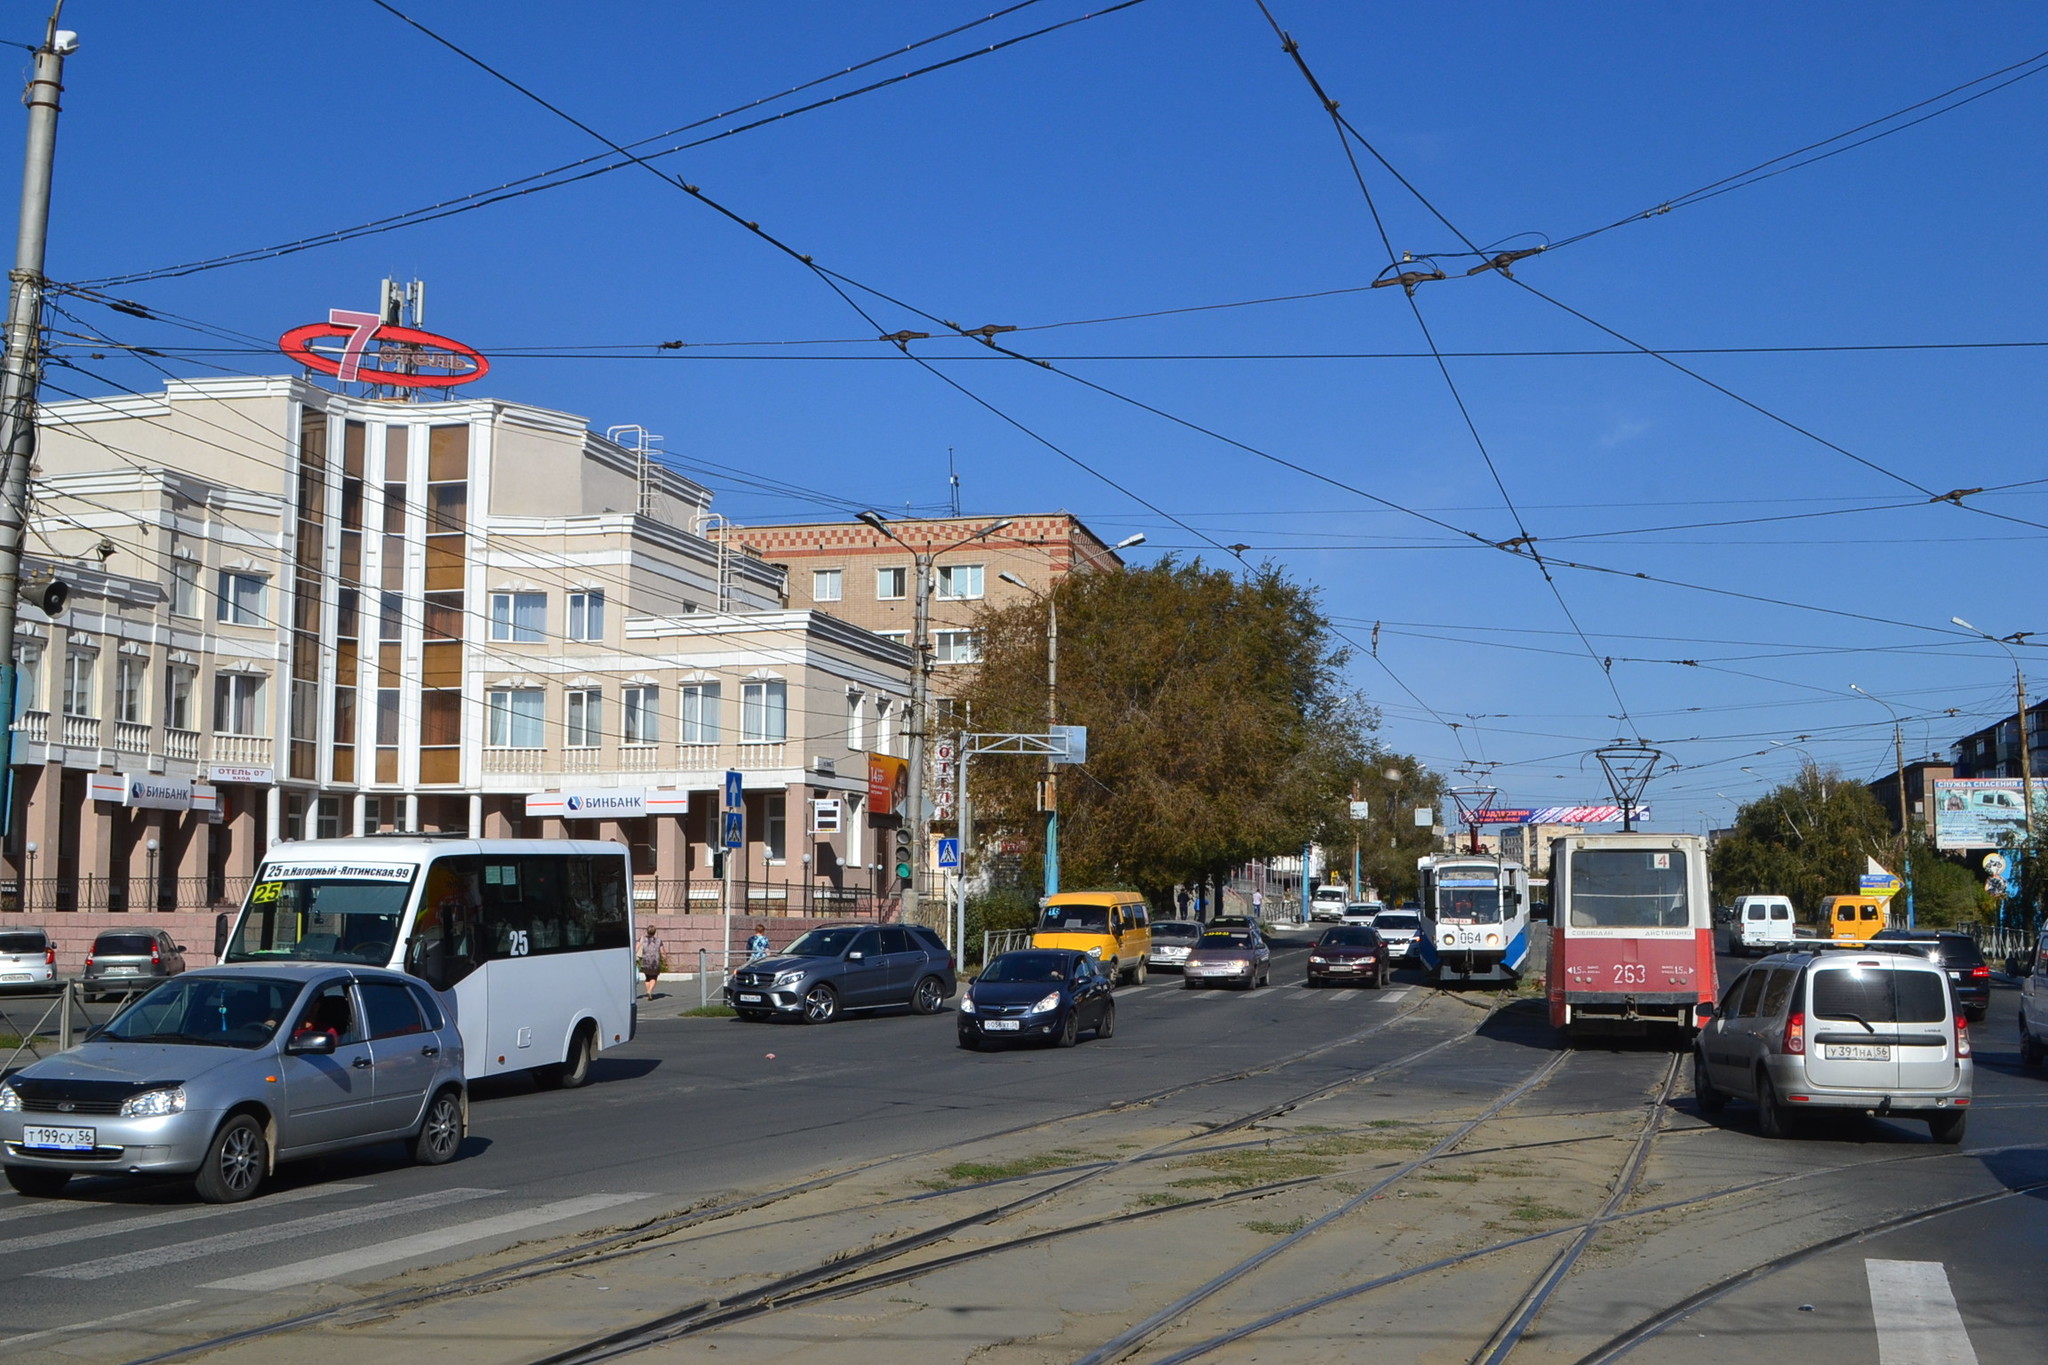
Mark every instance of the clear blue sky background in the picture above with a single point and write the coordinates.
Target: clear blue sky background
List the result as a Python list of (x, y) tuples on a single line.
[(1167, 156)]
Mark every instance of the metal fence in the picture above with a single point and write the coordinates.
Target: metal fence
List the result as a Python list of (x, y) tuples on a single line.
[(35, 1027), (117, 894), (764, 900), (995, 941)]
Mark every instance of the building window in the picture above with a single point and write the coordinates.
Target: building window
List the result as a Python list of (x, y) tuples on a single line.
[(856, 720), (775, 826), (241, 598), (884, 735), (638, 721), (516, 714), (901, 637), (178, 697), (586, 714), (373, 814), (184, 587), (128, 673), (827, 585), (28, 680), (889, 583), (521, 617), (586, 615), (327, 818), (78, 680), (764, 712), (238, 704), (956, 647), (959, 582), (700, 713)]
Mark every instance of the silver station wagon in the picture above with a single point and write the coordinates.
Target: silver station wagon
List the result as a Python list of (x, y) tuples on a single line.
[(219, 1074)]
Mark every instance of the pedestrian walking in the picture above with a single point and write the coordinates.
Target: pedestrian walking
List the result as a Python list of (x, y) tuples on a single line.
[(757, 943), (650, 960), (1258, 904), (1182, 899)]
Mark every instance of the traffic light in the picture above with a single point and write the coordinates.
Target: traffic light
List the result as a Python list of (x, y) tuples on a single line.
[(903, 838), (718, 864)]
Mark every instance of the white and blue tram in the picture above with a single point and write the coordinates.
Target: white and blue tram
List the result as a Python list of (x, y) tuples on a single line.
[(1475, 909)]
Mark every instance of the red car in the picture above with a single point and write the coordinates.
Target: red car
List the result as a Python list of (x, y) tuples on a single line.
[(1349, 954)]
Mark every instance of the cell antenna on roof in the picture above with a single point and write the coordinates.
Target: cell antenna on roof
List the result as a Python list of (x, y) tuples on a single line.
[(953, 479)]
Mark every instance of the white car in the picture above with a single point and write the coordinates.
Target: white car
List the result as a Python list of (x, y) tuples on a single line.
[(1760, 925), (1400, 929), (1361, 912), (1327, 902)]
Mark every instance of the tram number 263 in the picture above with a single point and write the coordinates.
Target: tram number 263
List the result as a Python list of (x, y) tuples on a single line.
[(1631, 974)]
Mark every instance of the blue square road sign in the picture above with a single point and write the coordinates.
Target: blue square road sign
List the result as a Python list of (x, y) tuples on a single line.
[(735, 829), (949, 853), (735, 794)]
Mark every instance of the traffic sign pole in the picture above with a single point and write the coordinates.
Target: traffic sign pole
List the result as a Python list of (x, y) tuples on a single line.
[(734, 803)]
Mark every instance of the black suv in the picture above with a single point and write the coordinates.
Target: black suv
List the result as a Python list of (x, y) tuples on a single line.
[(846, 967), (1968, 974)]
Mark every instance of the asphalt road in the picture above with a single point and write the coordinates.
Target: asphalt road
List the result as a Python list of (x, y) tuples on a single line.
[(696, 1110)]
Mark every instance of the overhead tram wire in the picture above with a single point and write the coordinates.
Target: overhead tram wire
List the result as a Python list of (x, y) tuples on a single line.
[(531, 184), (1526, 541)]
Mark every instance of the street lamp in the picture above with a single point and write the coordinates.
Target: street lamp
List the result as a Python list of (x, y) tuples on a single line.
[(920, 688), (1905, 819), (156, 894), (1052, 715)]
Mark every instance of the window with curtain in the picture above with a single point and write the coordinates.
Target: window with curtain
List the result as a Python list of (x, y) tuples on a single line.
[(516, 716), (519, 617), (241, 598), (238, 703), (585, 718), (700, 713), (586, 615), (638, 720), (764, 712)]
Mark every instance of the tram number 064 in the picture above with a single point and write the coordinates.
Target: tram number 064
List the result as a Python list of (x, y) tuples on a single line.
[(1631, 974)]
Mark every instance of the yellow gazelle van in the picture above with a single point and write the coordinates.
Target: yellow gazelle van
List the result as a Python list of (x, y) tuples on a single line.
[(1115, 927)]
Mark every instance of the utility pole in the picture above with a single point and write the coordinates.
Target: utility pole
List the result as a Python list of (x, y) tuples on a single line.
[(1052, 716), (1905, 816), (24, 361), (2019, 678), (919, 719)]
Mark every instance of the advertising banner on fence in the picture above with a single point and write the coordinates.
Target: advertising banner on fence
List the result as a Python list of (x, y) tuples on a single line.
[(1984, 812)]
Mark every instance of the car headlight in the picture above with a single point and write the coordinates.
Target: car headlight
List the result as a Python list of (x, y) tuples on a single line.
[(789, 978), (1318, 960), (1050, 1002), (1096, 951), (154, 1104), (967, 1004), (10, 1100)]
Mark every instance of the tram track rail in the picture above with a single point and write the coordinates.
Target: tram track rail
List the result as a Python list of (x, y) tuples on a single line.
[(580, 1254)]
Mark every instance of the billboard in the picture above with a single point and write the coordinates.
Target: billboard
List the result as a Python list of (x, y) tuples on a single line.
[(1983, 812), (888, 785)]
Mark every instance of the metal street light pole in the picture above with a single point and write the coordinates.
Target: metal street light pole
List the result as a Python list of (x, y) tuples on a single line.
[(24, 364), (1905, 816), (919, 719)]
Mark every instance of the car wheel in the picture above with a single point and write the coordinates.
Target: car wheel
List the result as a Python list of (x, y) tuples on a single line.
[(573, 1071), (37, 1183), (1070, 1032), (1772, 1120), (1710, 1100), (1138, 973), (929, 995), (1948, 1128), (821, 1004), (1105, 1027), (440, 1135), (1114, 972), (236, 1162)]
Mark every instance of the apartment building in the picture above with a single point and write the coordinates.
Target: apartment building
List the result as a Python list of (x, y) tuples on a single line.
[(860, 575), (300, 613)]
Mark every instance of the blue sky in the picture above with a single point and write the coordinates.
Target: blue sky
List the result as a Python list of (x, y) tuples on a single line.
[(1166, 156)]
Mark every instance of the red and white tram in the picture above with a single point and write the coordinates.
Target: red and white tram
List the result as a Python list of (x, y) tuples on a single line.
[(1632, 933)]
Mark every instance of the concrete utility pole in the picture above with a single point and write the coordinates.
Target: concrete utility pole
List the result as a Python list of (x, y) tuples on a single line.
[(919, 719), (1905, 816), (24, 361)]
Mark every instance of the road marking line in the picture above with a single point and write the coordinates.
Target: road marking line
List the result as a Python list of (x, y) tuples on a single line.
[(154, 1257), (1917, 1320), (1398, 996), (157, 1220), (97, 1323), (422, 1245)]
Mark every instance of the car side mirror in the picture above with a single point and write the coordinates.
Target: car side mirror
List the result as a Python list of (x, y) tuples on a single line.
[(1705, 1012), (177, 947), (312, 1044), (855, 957)]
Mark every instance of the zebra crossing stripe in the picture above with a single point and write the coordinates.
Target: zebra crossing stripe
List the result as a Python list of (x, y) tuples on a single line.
[(162, 1218)]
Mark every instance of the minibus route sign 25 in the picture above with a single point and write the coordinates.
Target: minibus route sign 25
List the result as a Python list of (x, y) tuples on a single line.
[(422, 360)]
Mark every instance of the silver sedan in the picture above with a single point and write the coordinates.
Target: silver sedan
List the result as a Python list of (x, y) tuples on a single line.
[(1234, 957), (219, 1074)]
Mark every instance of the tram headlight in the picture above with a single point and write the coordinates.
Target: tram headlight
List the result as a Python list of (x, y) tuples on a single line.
[(1449, 938), (1493, 940)]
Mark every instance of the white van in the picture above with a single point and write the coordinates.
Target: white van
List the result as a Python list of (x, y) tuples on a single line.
[(1760, 925)]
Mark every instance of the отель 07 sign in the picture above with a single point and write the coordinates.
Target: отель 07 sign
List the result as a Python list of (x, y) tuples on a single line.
[(423, 360)]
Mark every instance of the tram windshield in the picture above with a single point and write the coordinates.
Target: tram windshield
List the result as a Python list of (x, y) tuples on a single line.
[(1628, 888), (1468, 904)]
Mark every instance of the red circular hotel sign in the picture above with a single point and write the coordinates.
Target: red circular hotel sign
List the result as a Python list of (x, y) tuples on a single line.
[(422, 360)]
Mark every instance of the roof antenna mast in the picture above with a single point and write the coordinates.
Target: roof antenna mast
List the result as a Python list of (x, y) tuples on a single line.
[(953, 479)]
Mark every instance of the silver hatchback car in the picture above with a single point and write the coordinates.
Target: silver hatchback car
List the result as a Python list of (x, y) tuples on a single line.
[(220, 1073), (1839, 1028)]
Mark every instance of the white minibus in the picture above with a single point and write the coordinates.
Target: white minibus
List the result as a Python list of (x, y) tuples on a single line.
[(529, 941)]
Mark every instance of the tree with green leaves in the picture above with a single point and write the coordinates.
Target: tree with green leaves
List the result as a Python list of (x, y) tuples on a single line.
[(1219, 726), (1807, 839)]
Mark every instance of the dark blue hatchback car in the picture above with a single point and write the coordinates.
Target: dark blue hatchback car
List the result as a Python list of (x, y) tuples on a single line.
[(1045, 994)]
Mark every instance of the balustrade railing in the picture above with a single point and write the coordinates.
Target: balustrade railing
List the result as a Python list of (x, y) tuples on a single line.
[(82, 732), (130, 738), (182, 744), (34, 726)]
